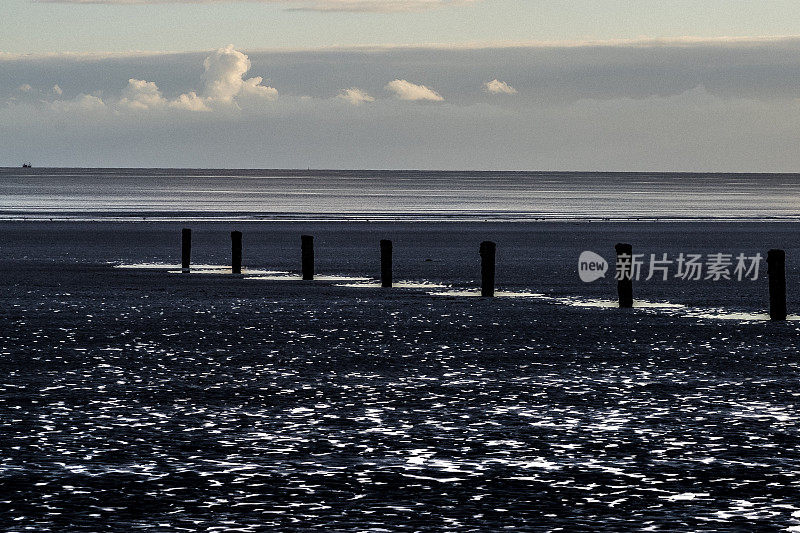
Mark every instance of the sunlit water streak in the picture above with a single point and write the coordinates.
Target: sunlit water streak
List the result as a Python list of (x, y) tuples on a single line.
[(365, 282), (396, 285), (198, 269)]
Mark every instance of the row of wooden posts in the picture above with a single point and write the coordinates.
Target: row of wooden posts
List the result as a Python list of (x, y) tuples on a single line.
[(776, 268)]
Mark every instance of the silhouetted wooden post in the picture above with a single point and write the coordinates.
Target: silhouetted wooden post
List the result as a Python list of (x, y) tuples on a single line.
[(307, 251), (625, 274), (236, 252), (186, 249), (488, 252), (386, 263), (776, 270)]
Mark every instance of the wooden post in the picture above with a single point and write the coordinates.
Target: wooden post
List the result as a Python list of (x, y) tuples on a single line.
[(386, 263), (776, 270), (186, 249), (307, 252), (236, 252), (625, 274), (488, 251)]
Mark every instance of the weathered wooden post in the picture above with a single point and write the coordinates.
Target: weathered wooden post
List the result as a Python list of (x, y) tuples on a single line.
[(776, 270), (624, 274), (386, 263), (236, 252), (186, 249), (307, 256), (488, 251)]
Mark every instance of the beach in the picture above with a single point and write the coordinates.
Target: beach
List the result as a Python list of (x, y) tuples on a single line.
[(383, 266), (138, 397)]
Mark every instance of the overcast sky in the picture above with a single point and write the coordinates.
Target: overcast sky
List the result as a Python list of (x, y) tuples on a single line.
[(483, 84)]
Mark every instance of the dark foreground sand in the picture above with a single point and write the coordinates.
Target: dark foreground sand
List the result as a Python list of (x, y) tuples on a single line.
[(138, 399)]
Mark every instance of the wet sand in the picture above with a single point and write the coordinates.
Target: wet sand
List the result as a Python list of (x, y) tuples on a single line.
[(142, 399)]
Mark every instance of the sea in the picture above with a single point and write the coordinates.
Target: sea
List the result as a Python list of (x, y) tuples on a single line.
[(136, 396), (228, 195)]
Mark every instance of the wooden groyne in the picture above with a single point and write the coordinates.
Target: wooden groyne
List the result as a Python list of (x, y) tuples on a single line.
[(776, 268), (186, 249), (236, 252), (624, 274), (488, 252), (307, 256), (386, 264)]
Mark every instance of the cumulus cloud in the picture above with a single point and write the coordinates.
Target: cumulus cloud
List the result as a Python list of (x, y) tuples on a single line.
[(141, 94), (223, 86), (190, 102), (223, 73), (405, 90), (355, 96), (373, 6), (498, 87), (224, 77), (253, 87)]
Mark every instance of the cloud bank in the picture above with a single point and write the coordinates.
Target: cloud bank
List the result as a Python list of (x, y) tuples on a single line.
[(693, 106), (363, 6)]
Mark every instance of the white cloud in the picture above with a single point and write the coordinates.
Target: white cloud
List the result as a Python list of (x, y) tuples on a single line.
[(224, 73), (253, 87), (370, 6), (141, 94), (405, 90), (190, 102), (145, 95), (355, 96), (498, 87), (224, 86)]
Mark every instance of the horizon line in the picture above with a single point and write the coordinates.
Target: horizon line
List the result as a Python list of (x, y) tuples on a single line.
[(450, 171)]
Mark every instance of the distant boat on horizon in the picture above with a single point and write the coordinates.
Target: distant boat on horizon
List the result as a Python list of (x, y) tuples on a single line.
[(26, 165)]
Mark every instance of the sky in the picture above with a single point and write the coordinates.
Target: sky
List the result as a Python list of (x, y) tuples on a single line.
[(442, 84)]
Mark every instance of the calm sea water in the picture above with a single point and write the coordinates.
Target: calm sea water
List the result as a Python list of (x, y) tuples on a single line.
[(288, 195), (136, 398)]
